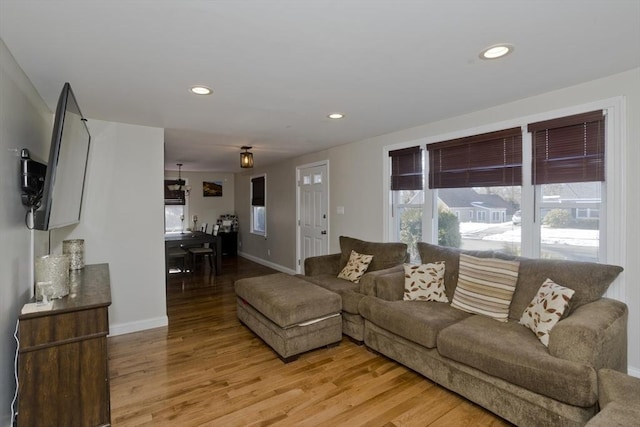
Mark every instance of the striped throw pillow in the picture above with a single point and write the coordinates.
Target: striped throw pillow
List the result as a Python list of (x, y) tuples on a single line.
[(486, 286)]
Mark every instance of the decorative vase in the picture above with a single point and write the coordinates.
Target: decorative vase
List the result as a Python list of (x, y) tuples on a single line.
[(52, 276), (75, 249)]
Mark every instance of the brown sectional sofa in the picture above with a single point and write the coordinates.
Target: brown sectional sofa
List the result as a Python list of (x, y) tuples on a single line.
[(323, 271), (619, 399), (500, 366)]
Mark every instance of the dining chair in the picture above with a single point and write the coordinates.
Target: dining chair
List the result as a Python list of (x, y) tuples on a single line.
[(208, 250), (178, 254)]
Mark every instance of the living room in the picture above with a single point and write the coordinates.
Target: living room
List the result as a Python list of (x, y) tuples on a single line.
[(124, 200)]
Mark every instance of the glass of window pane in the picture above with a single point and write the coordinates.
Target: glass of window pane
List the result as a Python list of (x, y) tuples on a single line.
[(570, 221), (482, 218), (408, 207), (172, 221), (259, 219)]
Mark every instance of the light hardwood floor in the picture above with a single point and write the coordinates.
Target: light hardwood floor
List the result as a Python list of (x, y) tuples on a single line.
[(206, 369)]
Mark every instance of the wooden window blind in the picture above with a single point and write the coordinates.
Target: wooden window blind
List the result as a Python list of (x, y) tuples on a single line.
[(173, 197), (568, 149), (406, 169), (257, 191), (485, 160)]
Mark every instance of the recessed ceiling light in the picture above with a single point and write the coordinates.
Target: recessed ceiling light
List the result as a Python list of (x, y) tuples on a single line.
[(336, 116), (200, 90), (496, 51)]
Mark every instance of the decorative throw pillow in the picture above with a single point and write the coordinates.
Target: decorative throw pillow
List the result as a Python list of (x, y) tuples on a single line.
[(424, 282), (485, 286), (356, 267), (546, 309)]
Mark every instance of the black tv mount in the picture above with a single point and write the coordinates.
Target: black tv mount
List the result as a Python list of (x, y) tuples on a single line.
[(31, 180)]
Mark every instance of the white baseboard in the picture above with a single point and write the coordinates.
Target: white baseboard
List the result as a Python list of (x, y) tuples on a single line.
[(267, 263), (633, 371), (127, 328)]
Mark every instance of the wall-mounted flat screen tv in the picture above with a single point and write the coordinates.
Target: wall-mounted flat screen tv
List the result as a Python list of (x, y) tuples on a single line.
[(61, 203)]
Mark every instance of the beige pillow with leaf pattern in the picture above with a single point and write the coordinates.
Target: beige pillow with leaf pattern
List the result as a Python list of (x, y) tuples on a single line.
[(424, 282), (546, 309), (356, 267)]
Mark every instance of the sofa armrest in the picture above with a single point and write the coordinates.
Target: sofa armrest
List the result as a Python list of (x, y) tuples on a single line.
[(594, 334), (369, 280), (614, 386), (390, 286), (323, 264)]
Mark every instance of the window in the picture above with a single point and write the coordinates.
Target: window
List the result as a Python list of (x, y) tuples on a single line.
[(538, 188), (258, 205), (407, 196), (175, 207), (481, 174), (568, 173)]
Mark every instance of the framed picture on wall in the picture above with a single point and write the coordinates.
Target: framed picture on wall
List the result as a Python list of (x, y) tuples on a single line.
[(212, 189)]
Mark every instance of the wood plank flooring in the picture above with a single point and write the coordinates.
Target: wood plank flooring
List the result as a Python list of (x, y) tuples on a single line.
[(206, 369)]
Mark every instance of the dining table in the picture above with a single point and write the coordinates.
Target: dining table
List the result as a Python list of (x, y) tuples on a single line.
[(189, 239)]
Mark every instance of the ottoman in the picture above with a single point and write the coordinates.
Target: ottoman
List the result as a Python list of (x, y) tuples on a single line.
[(290, 314)]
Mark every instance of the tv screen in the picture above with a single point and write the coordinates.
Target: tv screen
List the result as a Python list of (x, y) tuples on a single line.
[(61, 203)]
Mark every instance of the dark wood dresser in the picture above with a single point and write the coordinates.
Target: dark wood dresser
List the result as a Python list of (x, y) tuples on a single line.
[(63, 368)]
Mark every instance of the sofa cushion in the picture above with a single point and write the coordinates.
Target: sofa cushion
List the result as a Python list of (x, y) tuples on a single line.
[(356, 267), (511, 352), (485, 286), (451, 257), (342, 287), (546, 309), (385, 255), (331, 282), (417, 321), (589, 280), (424, 282)]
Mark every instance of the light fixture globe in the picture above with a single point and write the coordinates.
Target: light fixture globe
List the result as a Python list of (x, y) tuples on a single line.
[(246, 157), (178, 185)]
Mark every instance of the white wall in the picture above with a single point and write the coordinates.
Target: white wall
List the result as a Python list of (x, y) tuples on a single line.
[(123, 221), (356, 179), (25, 122), (208, 209), (278, 248)]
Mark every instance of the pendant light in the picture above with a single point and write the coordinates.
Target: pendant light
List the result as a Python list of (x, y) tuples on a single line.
[(179, 184), (246, 157)]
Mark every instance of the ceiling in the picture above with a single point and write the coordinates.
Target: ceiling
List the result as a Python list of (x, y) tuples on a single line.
[(278, 68)]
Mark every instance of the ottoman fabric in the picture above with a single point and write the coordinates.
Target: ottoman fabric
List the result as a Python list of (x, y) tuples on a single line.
[(290, 314), (287, 300), (288, 342)]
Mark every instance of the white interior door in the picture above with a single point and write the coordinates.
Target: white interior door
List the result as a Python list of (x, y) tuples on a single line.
[(312, 208)]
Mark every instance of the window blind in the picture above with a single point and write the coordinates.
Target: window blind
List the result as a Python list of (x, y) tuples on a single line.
[(568, 149), (173, 197), (484, 160), (257, 191), (406, 169)]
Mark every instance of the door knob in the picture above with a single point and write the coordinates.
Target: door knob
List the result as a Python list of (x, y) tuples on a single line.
[(323, 232)]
